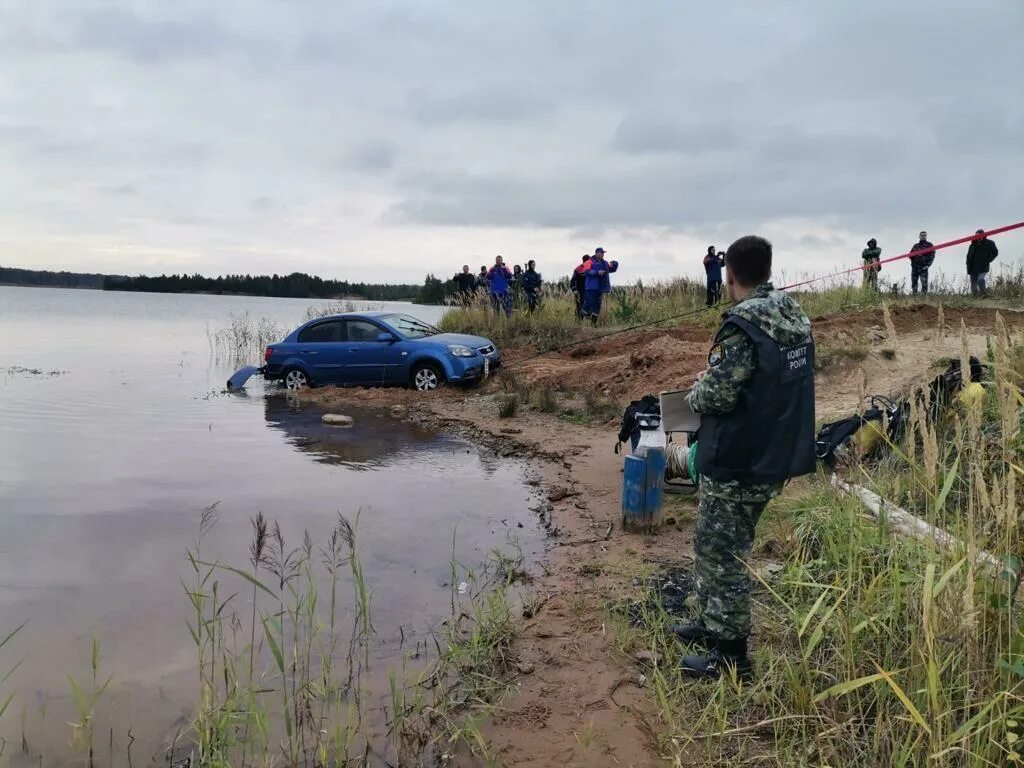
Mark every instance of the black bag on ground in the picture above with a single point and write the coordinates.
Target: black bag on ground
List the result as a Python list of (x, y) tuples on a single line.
[(630, 427), (832, 437)]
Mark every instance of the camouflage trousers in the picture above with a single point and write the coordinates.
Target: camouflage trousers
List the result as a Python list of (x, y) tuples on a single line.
[(722, 543)]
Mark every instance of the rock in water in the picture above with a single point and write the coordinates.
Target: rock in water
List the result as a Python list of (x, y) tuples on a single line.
[(337, 420)]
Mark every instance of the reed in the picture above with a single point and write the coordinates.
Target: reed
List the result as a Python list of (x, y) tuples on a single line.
[(873, 649)]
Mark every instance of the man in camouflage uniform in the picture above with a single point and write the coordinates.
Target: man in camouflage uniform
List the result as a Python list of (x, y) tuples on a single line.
[(756, 400)]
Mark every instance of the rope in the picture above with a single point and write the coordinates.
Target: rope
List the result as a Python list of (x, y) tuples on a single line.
[(699, 310)]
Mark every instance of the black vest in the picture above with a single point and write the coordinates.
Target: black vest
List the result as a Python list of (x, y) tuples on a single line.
[(769, 437)]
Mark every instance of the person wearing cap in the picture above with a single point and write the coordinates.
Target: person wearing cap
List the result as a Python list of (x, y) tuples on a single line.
[(871, 256), (499, 279), (980, 254), (919, 264), (577, 283), (713, 273), (597, 284)]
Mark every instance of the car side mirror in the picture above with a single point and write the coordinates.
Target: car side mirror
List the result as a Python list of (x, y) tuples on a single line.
[(386, 338)]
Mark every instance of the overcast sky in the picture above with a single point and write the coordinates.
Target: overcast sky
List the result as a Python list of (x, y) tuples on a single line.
[(381, 140)]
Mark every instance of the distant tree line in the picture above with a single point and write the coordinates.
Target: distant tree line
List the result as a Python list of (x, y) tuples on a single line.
[(297, 285), (45, 278)]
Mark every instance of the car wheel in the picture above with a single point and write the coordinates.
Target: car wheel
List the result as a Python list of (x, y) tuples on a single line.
[(295, 379), (426, 377)]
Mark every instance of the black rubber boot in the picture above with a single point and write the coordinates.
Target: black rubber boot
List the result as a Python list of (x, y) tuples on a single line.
[(695, 633), (724, 656)]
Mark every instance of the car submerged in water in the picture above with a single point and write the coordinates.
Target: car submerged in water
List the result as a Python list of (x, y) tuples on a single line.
[(365, 349)]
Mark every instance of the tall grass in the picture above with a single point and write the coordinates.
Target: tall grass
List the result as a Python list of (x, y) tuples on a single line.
[(283, 652), (274, 692), (244, 340), (874, 649), (554, 323), (338, 307), (475, 670)]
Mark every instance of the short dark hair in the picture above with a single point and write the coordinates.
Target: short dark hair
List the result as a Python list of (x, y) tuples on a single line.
[(749, 260)]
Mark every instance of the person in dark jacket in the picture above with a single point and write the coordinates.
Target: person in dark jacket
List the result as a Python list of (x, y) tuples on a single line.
[(980, 254), (713, 273), (499, 279), (465, 284), (516, 286), (597, 284), (871, 257), (482, 284), (531, 285), (919, 264), (577, 283)]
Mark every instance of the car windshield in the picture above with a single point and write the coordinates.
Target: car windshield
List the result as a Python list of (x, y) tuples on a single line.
[(410, 327)]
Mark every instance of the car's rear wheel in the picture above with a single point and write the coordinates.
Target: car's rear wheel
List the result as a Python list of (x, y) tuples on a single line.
[(426, 377), (295, 379)]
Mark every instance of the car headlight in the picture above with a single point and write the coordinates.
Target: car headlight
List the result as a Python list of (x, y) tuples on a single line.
[(459, 350)]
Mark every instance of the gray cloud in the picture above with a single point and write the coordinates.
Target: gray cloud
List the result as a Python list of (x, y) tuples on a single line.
[(483, 105), (150, 39), (306, 128), (636, 135), (372, 157)]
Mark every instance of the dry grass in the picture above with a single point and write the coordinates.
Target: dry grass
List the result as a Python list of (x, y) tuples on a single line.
[(873, 649)]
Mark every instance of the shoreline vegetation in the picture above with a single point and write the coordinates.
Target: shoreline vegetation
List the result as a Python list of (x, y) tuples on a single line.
[(871, 648), (286, 671)]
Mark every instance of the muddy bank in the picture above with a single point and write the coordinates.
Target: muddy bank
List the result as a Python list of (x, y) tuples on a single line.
[(579, 700)]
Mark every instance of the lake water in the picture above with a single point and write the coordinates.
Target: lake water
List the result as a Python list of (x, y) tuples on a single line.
[(115, 433)]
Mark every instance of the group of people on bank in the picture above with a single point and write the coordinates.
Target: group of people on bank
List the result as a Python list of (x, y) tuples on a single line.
[(590, 281), (507, 289), (980, 255)]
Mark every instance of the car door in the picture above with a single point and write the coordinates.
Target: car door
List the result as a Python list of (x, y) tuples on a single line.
[(367, 357), (321, 347)]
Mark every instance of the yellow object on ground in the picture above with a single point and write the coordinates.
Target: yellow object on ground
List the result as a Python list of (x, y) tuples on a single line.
[(867, 437), (972, 395)]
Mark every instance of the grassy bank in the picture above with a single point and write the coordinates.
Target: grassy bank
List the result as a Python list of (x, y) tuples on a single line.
[(873, 648), (555, 323)]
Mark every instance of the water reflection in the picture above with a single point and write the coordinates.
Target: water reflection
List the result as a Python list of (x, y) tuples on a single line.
[(372, 442)]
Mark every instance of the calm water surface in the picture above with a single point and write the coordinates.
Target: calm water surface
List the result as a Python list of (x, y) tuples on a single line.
[(114, 434)]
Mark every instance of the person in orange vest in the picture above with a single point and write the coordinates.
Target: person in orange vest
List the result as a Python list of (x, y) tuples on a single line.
[(577, 284), (597, 284)]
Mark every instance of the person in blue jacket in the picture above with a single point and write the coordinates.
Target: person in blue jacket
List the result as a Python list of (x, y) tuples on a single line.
[(499, 279), (597, 284), (713, 271)]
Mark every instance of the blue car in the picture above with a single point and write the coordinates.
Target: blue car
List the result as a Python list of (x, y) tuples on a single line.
[(371, 348)]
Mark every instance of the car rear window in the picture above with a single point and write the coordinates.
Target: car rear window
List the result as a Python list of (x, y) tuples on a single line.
[(322, 332)]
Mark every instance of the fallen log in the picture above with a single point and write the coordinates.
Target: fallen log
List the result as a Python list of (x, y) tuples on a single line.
[(910, 525)]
